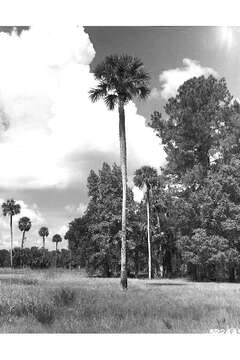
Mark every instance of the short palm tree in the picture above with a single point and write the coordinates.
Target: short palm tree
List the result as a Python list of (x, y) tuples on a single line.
[(24, 225), (43, 232), (56, 239), (11, 208), (67, 237), (145, 177), (120, 79)]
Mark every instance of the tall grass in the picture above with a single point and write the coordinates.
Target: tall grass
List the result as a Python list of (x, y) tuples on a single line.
[(66, 302), (24, 297)]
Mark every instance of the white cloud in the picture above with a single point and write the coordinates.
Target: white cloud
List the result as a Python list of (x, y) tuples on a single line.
[(45, 79), (76, 209), (62, 230), (171, 79), (70, 208)]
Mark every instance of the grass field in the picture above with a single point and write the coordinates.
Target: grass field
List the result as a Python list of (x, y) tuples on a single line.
[(68, 302)]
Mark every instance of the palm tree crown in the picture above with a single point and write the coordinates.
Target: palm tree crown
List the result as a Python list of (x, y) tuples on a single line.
[(56, 238), (145, 176), (43, 232), (24, 224), (11, 208), (121, 78)]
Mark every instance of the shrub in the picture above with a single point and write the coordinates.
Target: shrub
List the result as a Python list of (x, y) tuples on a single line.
[(44, 313), (64, 297)]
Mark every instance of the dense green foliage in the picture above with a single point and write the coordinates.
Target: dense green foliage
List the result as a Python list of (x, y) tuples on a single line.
[(201, 139), (95, 238)]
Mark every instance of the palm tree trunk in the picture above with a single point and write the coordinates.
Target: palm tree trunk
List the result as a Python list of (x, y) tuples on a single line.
[(23, 236), (123, 161), (69, 248), (44, 242), (149, 239), (160, 247), (11, 230), (56, 256)]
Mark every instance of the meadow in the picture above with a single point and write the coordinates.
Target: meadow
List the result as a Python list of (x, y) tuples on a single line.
[(64, 301)]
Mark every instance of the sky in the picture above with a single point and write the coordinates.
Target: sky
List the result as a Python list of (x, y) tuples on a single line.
[(51, 135)]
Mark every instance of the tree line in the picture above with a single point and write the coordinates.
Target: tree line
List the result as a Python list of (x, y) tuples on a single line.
[(36, 258), (188, 223), (27, 257)]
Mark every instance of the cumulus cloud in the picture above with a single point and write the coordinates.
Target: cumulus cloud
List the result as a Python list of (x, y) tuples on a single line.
[(171, 79), (46, 117)]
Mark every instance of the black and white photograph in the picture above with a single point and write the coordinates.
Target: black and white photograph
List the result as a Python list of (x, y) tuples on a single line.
[(119, 179)]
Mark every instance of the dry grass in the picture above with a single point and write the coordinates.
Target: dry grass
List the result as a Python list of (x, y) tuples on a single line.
[(67, 302)]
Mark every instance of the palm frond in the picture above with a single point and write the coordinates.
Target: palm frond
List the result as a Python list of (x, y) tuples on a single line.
[(143, 92), (96, 94), (111, 101), (141, 76)]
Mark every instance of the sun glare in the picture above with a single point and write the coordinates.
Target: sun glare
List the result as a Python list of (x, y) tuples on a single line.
[(227, 37)]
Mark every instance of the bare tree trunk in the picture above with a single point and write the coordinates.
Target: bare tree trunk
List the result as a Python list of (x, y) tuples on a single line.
[(11, 230), (123, 160), (149, 238)]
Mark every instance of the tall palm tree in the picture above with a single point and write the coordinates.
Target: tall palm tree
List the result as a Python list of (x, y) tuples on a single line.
[(43, 232), (120, 79), (56, 238), (11, 208), (145, 177), (24, 225)]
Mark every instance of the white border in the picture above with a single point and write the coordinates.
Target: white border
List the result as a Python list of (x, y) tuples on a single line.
[(119, 12)]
